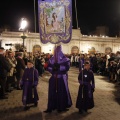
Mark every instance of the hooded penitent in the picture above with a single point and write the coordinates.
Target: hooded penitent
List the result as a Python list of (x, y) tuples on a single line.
[(58, 95)]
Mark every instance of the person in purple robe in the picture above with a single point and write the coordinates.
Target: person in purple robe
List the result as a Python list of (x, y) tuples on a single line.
[(85, 98), (29, 84), (59, 97)]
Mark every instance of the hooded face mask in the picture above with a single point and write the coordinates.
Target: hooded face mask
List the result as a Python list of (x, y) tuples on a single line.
[(58, 56)]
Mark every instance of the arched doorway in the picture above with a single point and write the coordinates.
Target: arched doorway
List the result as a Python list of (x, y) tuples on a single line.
[(36, 49), (91, 50), (108, 50), (74, 50)]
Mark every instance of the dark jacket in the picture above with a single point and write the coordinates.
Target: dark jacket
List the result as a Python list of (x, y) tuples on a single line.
[(20, 67), (4, 67)]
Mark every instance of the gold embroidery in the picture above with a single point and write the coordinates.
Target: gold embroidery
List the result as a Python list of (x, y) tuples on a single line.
[(67, 20), (55, 37), (42, 22)]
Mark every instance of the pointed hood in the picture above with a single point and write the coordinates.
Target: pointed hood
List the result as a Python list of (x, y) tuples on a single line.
[(58, 56)]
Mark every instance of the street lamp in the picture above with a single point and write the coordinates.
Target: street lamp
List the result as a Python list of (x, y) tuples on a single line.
[(23, 26), (0, 43)]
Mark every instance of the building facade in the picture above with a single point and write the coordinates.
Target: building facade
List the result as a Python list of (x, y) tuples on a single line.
[(78, 44)]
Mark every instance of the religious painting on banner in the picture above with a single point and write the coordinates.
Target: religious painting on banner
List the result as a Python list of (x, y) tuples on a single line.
[(55, 23)]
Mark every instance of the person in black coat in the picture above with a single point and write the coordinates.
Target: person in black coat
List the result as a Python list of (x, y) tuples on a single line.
[(20, 69), (4, 69)]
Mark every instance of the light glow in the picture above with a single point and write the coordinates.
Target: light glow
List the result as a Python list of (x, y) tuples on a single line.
[(23, 24)]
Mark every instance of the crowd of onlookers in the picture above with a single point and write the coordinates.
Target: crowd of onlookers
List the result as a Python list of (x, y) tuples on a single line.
[(101, 63), (12, 65)]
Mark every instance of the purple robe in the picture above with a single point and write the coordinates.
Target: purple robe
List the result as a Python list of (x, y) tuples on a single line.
[(85, 94), (29, 83), (58, 95)]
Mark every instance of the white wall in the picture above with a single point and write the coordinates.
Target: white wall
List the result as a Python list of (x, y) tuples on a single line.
[(83, 43)]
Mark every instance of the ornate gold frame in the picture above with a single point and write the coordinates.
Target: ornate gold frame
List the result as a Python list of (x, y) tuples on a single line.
[(55, 38)]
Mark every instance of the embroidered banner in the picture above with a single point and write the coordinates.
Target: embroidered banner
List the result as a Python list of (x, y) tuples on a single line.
[(55, 21)]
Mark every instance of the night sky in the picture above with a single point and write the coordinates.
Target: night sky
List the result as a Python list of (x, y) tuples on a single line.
[(91, 13)]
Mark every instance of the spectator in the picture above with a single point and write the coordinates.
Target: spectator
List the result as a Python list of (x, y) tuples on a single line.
[(20, 69), (10, 78), (4, 69)]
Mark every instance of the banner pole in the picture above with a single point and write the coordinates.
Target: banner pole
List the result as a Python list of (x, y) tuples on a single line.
[(76, 14), (82, 83), (34, 16), (56, 62)]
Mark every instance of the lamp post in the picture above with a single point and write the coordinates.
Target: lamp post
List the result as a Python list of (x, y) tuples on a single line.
[(35, 16), (23, 26), (23, 37), (0, 43)]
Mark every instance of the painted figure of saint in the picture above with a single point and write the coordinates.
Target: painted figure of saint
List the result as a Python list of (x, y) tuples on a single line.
[(55, 22)]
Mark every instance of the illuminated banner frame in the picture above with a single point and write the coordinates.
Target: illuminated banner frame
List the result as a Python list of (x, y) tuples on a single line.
[(55, 21)]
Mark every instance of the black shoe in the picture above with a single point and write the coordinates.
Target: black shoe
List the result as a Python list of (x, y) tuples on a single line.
[(6, 94), (18, 88), (3, 97), (8, 91), (59, 111), (66, 109), (47, 111), (80, 112), (26, 108), (36, 104), (85, 110)]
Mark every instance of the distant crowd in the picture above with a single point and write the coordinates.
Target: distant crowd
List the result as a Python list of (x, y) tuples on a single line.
[(102, 64)]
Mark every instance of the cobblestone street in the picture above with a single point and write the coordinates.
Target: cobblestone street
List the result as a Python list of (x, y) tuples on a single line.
[(106, 98)]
